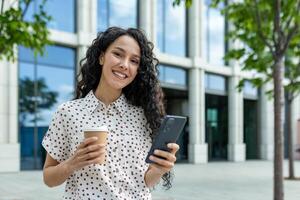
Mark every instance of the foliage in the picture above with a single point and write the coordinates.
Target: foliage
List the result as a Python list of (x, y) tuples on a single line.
[(188, 3), (16, 30), (269, 31), (254, 26), (292, 72)]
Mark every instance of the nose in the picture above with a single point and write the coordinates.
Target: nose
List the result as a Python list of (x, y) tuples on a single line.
[(125, 64)]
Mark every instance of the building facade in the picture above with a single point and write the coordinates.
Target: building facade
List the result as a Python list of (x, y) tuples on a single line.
[(223, 124)]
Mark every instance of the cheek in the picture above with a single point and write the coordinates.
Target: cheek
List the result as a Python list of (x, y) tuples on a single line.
[(111, 61), (105, 69), (134, 71), (133, 74)]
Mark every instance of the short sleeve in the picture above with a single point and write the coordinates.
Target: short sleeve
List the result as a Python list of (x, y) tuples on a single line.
[(56, 139)]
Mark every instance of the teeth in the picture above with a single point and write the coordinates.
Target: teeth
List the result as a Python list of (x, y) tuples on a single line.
[(120, 75)]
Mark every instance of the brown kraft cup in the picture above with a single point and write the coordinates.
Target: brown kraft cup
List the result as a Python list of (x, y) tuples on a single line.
[(99, 132)]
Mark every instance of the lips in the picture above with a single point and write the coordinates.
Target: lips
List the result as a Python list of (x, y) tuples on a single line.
[(120, 75)]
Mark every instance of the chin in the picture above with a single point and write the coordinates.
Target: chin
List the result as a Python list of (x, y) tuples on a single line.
[(118, 86)]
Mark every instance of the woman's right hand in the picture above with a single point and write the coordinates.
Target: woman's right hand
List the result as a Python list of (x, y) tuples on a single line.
[(87, 153)]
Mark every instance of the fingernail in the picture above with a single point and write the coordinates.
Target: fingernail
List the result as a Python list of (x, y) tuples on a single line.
[(169, 145), (156, 152)]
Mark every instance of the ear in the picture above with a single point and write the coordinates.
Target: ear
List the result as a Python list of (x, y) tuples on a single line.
[(101, 59)]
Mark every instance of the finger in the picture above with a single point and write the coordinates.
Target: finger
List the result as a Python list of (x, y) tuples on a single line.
[(174, 147), (85, 163), (165, 154), (93, 161), (91, 148), (91, 155), (162, 162), (87, 141)]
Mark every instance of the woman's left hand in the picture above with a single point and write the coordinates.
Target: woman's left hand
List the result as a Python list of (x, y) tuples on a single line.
[(161, 165)]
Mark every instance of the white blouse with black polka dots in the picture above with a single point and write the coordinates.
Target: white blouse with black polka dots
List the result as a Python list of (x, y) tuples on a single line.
[(122, 176)]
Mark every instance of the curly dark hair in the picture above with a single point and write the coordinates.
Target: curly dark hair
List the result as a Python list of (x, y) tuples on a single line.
[(143, 91)]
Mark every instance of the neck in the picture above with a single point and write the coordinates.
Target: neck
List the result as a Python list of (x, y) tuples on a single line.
[(106, 94)]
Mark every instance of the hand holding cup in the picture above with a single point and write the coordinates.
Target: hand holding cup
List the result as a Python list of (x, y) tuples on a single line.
[(101, 134), (91, 151)]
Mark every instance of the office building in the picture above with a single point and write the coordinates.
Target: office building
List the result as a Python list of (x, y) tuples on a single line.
[(223, 124)]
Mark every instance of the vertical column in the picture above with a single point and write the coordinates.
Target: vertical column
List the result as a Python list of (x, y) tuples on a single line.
[(147, 18), (13, 103), (294, 120), (9, 146), (153, 14), (86, 26), (197, 148), (4, 102), (194, 30), (296, 126), (266, 132), (236, 147)]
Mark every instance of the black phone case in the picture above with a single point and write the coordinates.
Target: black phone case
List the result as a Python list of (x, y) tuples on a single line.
[(169, 132)]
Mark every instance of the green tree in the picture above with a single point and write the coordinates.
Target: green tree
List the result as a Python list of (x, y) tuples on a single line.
[(266, 28), (34, 96), (15, 30), (292, 89)]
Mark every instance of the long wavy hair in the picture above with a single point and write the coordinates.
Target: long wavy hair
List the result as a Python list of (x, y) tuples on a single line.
[(143, 91)]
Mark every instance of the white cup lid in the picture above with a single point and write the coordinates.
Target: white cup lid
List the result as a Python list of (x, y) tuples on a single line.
[(100, 128)]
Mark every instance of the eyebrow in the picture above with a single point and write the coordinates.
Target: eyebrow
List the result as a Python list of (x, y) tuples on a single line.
[(121, 49)]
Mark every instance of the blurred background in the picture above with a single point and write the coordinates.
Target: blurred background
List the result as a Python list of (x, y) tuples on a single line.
[(223, 123)]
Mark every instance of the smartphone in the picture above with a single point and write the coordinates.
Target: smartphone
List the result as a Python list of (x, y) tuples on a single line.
[(168, 132)]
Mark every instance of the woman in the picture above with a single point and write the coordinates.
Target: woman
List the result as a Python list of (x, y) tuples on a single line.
[(118, 88)]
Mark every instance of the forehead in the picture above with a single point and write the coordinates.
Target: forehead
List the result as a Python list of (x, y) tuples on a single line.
[(126, 43)]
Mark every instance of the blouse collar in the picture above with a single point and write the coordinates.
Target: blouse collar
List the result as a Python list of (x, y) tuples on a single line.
[(121, 104)]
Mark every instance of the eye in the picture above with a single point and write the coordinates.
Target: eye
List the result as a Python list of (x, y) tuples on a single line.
[(117, 54), (135, 61)]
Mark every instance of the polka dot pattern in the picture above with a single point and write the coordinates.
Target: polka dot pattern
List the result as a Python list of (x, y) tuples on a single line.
[(122, 176)]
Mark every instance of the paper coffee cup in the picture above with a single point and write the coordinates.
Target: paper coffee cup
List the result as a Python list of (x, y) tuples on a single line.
[(99, 132)]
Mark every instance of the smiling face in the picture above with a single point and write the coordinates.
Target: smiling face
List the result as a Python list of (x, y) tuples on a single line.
[(120, 63)]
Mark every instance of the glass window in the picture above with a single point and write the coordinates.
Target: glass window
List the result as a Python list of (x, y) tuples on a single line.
[(58, 56), (172, 75), (54, 72), (161, 73), (62, 13), (251, 129), (215, 82), (171, 28), (60, 80), (116, 13), (44, 83), (250, 89), (26, 91), (216, 126), (102, 8), (25, 54), (213, 35), (54, 55)]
